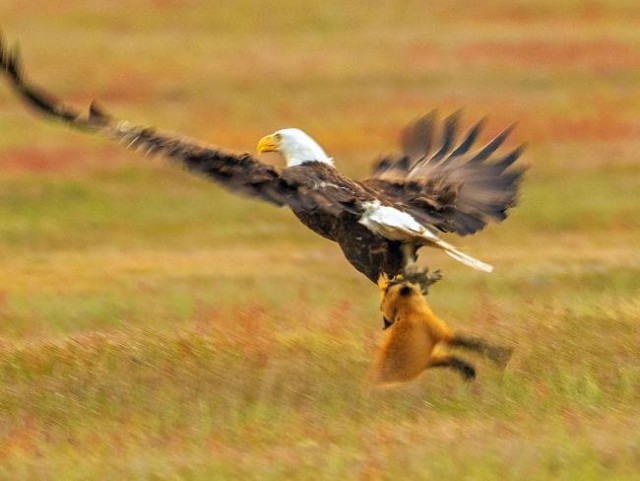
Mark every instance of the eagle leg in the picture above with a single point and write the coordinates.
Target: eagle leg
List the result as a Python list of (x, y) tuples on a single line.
[(409, 257)]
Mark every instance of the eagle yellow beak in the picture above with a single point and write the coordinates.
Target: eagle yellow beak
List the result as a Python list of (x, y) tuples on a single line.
[(267, 143)]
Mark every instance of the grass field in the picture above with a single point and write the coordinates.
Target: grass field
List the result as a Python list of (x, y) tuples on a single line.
[(154, 327)]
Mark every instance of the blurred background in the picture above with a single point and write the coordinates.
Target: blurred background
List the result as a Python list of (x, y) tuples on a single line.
[(152, 324)]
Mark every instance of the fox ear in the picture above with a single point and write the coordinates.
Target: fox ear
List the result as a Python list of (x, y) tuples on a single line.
[(406, 290)]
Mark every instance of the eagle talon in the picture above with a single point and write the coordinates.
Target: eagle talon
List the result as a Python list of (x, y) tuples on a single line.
[(422, 277), (383, 282)]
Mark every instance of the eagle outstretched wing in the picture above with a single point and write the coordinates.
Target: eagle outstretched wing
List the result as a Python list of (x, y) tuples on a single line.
[(437, 181), (446, 181), (238, 172)]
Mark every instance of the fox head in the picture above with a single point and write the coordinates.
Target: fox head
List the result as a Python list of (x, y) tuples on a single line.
[(397, 296)]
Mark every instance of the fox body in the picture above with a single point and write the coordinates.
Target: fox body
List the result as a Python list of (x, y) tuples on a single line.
[(416, 339)]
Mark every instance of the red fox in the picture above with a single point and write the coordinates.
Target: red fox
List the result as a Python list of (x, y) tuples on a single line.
[(414, 336)]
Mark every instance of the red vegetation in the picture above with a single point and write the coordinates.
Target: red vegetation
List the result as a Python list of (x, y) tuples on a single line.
[(601, 56), (36, 159)]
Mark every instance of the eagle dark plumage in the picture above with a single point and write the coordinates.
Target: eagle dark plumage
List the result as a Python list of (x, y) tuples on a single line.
[(439, 182)]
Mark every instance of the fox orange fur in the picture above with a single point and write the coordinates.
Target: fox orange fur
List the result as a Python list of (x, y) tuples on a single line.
[(414, 338)]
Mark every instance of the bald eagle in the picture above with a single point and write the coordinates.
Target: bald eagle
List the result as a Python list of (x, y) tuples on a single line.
[(439, 182)]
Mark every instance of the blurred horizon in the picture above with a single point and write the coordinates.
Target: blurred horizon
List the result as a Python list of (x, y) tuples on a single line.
[(154, 326)]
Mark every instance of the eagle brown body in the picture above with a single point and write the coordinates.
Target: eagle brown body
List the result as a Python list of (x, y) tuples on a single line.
[(442, 181), (369, 253), (366, 251)]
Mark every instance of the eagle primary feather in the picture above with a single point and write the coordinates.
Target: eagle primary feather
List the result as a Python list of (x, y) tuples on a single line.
[(437, 181)]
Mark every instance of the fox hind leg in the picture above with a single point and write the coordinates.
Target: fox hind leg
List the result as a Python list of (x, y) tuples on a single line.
[(500, 355), (466, 370)]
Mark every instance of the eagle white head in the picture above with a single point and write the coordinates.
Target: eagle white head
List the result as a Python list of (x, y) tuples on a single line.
[(296, 146)]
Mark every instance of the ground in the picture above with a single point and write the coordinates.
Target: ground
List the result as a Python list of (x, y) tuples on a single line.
[(154, 327)]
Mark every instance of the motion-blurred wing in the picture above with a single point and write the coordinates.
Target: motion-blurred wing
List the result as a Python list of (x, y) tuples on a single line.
[(241, 173), (445, 180)]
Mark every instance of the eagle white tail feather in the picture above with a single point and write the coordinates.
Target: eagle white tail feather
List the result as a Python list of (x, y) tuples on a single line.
[(460, 256), (394, 224)]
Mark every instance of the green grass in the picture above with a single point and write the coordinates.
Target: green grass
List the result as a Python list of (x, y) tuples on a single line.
[(155, 327), (250, 399)]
